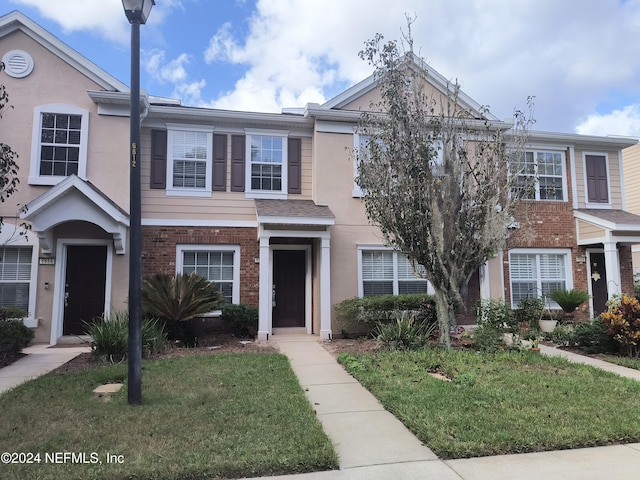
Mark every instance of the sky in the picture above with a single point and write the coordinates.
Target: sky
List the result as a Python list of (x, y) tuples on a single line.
[(580, 59)]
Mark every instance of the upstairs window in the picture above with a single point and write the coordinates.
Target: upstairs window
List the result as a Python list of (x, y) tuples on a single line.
[(542, 176), (59, 144), (190, 155), (267, 164)]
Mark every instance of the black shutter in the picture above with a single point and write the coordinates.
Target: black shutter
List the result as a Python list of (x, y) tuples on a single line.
[(597, 184), (294, 163), (219, 163), (158, 159), (237, 163)]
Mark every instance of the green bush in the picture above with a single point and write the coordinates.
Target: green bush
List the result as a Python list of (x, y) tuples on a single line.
[(593, 337), (488, 338), (569, 300), (110, 337), (405, 333), (14, 336), (363, 314), (495, 313), (7, 313), (530, 312), (564, 335), (241, 319)]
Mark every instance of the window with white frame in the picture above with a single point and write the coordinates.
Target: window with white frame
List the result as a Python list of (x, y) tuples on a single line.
[(536, 274), (59, 144), (541, 176), (15, 276), (216, 263), (388, 272), (190, 153), (267, 163)]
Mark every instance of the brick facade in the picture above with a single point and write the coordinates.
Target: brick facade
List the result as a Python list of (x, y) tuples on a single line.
[(159, 252)]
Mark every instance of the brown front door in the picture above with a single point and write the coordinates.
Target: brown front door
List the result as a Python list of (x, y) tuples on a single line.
[(289, 288), (84, 287), (598, 282)]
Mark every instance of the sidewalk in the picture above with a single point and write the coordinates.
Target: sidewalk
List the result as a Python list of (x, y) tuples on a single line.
[(40, 359), (372, 444)]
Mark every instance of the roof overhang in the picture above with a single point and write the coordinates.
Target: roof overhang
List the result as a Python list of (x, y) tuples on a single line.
[(293, 213), (72, 200), (617, 226)]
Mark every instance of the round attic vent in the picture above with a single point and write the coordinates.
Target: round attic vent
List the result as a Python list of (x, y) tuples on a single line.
[(18, 64)]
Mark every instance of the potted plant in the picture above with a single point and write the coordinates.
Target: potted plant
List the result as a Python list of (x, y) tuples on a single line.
[(569, 301), (532, 340), (548, 322)]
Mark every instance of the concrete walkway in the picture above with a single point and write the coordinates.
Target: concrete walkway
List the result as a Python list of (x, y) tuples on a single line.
[(372, 444), (40, 359)]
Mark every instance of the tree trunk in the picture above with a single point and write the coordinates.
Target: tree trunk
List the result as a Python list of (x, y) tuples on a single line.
[(446, 317)]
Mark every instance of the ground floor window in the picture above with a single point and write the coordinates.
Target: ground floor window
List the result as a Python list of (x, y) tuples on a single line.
[(538, 273), (384, 271), (15, 276), (216, 263)]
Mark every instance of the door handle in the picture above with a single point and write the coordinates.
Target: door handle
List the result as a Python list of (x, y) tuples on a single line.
[(66, 299), (273, 296)]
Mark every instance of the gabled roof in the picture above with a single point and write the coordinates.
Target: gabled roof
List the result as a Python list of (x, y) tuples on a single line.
[(293, 212), (17, 21), (436, 79)]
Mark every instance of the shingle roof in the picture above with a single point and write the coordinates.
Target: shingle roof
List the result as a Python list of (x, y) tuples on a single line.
[(619, 217), (293, 209)]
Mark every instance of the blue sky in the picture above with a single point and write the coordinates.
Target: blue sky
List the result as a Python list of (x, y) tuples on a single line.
[(579, 58)]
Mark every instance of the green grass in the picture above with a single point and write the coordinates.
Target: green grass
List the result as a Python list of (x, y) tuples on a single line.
[(502, 403), (215, 416), (628, 362)]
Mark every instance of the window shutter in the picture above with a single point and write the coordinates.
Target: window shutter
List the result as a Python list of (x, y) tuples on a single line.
[(219, 163), (237, 163), (597, 185), (295, 165), (158, 159)]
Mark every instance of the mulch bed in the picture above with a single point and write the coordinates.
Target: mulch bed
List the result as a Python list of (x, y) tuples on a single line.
[(9, 358)]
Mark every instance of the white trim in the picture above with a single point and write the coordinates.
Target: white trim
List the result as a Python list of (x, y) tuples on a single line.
[(574, 178), (173, 222), (34, 168), (568, 267), (205, 191), (284, 185), (182, 247), (322, 221), (324, 126), (601, 206), (534, 150), (57, 312), (22, 68), (9, 238)]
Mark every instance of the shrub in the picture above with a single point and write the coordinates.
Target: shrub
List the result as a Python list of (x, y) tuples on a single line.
[(593, 337), (364, 314), (241, 319), (110, 337), (14, 336), (488, 338), (569, 300), (530, 312), (622, 322), (495, 313), (563, 335), (7, 313), (405, 333)]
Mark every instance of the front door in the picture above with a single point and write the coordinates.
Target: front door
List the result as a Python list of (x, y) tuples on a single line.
[(84, 287), (289, 288), (598, 282)]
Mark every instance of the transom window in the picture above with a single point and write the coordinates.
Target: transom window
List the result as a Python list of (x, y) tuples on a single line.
[(59, 144), (190, 153), (219, 264), (541, 176), (15, 276), (389, 272), (537, 274)]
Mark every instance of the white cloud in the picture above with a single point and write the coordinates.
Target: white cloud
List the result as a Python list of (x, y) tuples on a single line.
[(174, 72), (625, 121)]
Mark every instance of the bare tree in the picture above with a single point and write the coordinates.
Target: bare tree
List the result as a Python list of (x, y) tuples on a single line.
[(437, 178), (8, 166)]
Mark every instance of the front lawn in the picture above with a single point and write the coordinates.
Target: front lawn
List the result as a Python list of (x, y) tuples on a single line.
[(213, 416), (508, 402)]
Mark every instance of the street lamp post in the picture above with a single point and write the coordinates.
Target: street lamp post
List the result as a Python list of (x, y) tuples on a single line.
[(137, 12)]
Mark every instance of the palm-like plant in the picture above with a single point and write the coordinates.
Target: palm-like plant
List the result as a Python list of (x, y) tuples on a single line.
[(569, 300), (180, 298)]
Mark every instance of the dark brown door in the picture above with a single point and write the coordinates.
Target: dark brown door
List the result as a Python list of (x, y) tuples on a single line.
[(598, 282), (288, 288), (84, 287)]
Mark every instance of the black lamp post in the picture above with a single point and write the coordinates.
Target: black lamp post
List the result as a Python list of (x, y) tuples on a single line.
[(137, 12)]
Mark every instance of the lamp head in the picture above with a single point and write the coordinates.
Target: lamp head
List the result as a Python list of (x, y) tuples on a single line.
[(137, 11)]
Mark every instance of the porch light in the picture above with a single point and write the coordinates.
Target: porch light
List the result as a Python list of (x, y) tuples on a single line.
[(137, 11)]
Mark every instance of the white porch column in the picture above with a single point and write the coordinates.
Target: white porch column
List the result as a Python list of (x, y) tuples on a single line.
[(264, 315), (325, 289), (612, 267), (485, 284)]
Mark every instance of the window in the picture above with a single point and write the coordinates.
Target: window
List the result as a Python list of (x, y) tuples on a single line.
[(216, 263), (15, 276), (189, 156), (541, 176), (537, 274), (388, 272), (267, 164), (59, 144)]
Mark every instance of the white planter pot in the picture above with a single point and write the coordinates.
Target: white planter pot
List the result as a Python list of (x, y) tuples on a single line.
[(507, 339), (548, 326)]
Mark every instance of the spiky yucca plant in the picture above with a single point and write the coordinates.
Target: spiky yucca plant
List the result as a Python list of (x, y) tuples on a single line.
[(180, 298), (569, 300)]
